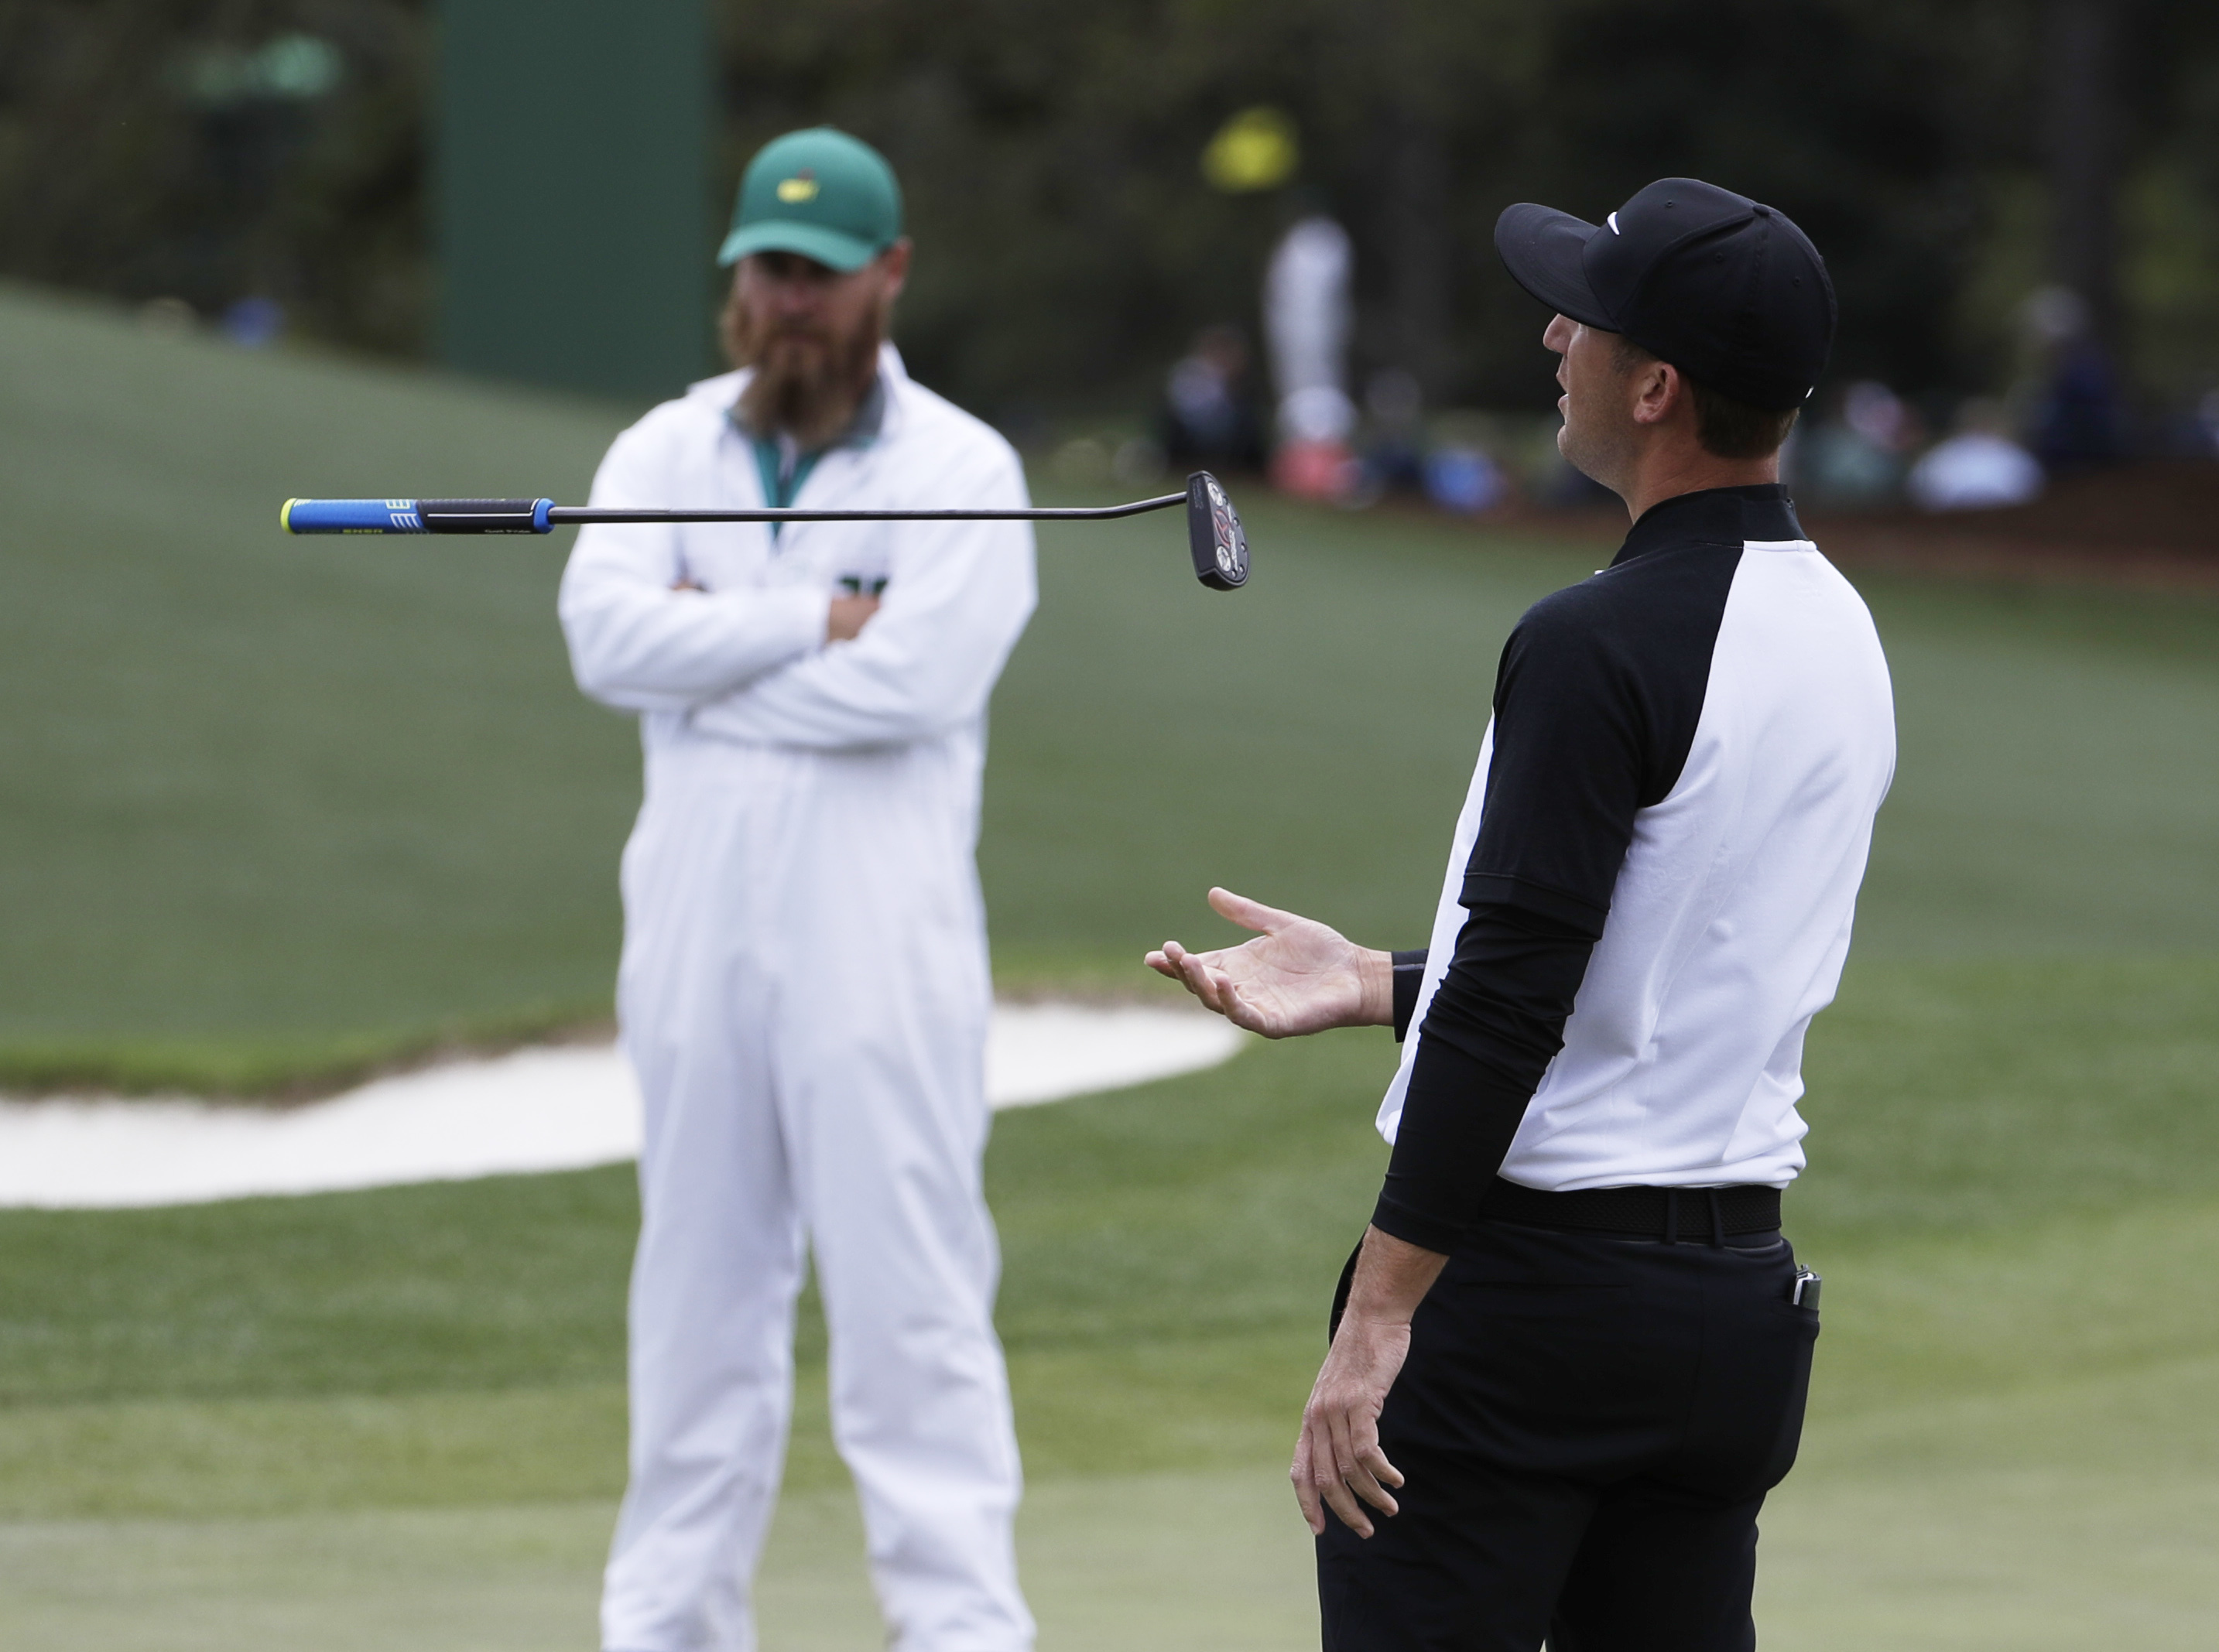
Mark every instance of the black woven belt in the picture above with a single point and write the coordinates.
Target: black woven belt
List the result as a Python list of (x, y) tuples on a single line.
[(1673, 1214)]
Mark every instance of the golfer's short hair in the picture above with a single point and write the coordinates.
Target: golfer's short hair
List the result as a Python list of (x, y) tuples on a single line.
[(1727, 429)]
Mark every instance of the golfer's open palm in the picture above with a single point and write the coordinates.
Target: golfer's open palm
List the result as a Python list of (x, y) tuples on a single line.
[(1296, 977)]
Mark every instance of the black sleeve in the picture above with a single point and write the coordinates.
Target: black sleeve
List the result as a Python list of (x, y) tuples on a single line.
[(1574, 761), (1409, 976), (1493, 1027), (1575, 758)]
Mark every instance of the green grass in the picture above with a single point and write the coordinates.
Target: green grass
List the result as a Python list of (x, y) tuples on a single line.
[(273, 805), (1173, 1243), (270, 812), (1107, 1569)]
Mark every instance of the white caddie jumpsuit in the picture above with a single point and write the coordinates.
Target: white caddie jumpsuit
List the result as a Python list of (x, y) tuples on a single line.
[(804, 993)]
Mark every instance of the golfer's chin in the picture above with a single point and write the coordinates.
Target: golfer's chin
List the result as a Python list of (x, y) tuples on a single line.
[(1589, 458), (1569, 445)]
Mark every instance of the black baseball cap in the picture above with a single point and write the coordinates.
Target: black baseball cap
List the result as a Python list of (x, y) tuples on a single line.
[(1727, 290)]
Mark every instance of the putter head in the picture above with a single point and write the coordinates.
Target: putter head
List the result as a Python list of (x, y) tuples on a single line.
[(1213, 534)]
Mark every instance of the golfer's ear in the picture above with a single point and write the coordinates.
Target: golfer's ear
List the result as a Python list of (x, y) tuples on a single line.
[(1659, 389)]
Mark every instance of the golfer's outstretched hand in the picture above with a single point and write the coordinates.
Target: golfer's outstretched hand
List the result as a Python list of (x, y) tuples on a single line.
[(1296, 977)]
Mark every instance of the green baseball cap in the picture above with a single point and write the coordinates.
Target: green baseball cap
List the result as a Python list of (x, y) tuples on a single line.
[(819, 193)]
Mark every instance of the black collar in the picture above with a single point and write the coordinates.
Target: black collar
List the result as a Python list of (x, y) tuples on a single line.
[(1713, 516)]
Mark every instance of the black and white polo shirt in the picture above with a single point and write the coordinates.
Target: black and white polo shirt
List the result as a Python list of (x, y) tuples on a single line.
[(1652, 882)]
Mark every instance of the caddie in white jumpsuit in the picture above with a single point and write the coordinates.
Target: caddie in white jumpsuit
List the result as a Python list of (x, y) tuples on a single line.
[(805, 990)]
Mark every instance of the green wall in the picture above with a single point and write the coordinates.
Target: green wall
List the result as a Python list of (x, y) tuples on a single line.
[(573, 212)]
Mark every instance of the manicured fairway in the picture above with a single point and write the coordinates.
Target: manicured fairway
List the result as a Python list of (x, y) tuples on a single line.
[(245, 779), (268, 807)]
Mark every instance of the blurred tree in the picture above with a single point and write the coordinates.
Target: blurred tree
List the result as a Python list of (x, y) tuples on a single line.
[(1069, 243), (2167, 107), (1064, 139), (2082, 71), (1869, 123), (217, 150)]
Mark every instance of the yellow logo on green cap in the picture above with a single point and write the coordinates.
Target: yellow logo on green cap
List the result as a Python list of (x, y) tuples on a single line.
[(802, 186)]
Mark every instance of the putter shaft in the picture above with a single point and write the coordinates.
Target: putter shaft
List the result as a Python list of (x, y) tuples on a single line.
[(563, 513), (544, 515), (1215, 539)]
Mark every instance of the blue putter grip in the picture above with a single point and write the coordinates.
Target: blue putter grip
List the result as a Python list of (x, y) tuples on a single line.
[(417, 516), (352, 516)]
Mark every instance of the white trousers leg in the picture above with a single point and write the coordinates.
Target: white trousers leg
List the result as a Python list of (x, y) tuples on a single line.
[(804, 997), (718, 1264)]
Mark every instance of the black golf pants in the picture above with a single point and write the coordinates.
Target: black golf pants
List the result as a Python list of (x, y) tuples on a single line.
[(1587, 1427)]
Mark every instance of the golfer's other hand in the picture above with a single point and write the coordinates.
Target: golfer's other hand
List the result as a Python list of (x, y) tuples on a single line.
[(1296, 977), (1338, 1461)]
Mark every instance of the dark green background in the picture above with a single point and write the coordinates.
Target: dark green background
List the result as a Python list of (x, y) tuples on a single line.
[(572, 194), (1068, 244)]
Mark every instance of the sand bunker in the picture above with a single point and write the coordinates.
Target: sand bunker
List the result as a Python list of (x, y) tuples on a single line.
[(548, 1108)]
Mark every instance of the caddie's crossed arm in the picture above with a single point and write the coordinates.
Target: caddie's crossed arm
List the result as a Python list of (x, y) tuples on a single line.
[(639, 642), (957, 597), (751, 663)]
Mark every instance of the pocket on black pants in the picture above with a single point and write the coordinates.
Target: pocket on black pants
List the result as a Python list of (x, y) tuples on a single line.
[(1790, 1439)]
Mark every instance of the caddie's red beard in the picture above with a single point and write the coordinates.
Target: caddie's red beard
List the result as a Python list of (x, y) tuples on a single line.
[(808, 382)]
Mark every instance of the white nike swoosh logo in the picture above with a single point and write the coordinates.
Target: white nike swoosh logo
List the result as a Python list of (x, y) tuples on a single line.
[(1612, 221)]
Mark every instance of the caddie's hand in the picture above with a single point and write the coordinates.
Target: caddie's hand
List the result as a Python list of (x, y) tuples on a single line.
[(1338, 1461), (1297, 977), (845, 619)]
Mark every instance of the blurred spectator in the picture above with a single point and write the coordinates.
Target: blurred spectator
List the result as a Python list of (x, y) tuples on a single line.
[(2079, 419), (1209, 410), (1465, 480), (2190, 430), (1306, 316), (1395, 433), (1855, 459), (253, 322), (1454, 466), (1880, 416), (1313, 460), (1979, 468)]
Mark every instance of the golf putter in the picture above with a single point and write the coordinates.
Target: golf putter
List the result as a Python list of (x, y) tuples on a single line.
[(1215, 539)]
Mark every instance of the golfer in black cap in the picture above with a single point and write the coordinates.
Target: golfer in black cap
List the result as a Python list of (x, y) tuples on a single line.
[(1570, 1357)]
